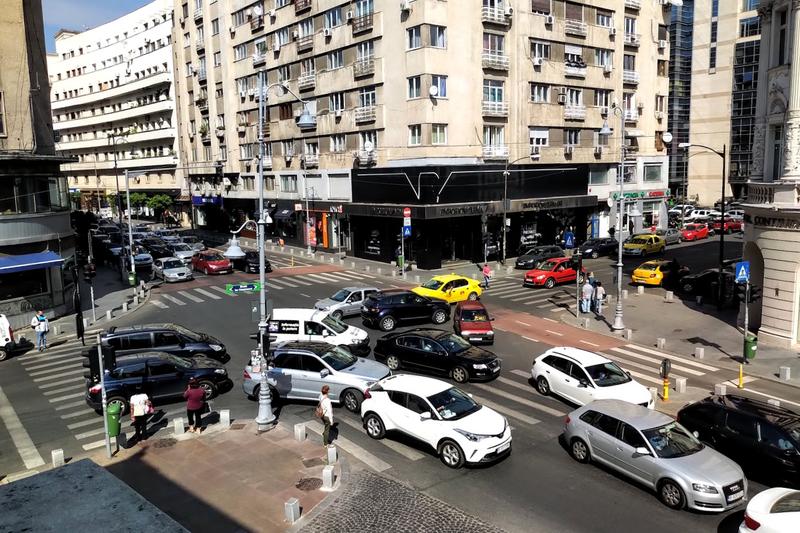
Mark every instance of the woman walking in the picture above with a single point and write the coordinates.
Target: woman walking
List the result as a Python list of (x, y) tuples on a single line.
[(195, 402), (41, 326), (141, 408), (487, 275), (325, 412)]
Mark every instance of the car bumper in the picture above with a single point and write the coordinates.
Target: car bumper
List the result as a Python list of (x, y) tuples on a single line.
[(478, 338), (533, 282), (93, 403), (646, 281), (488, 454), (521, 266), (713, 503), (485, 374), (360, 349), (632, 252), (173, 279), (220, 270)]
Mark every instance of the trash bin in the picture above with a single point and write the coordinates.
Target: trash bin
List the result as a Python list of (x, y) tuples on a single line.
[(750, 346), (113, 415), (132, 279)]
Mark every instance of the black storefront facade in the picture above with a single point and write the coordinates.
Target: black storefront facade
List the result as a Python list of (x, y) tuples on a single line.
[(452, 207)]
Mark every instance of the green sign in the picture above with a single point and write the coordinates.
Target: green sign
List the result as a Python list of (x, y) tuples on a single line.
[(236, 288)]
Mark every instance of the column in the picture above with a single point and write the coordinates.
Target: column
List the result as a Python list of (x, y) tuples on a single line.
[(760, 127), (791, 149)]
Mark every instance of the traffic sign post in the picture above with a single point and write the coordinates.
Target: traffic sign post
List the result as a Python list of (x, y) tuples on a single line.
[(742, 272), (406, 232)]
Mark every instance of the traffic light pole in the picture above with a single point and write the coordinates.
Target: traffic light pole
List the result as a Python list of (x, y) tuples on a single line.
[(746, 320)]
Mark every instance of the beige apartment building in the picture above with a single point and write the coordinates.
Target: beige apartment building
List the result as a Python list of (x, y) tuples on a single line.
[(465, 112)]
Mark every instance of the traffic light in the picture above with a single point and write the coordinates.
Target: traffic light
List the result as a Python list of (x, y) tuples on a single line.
[(487, 238), (755, 294), (93, 364), (577, 262), (741, 292), (89, 272)]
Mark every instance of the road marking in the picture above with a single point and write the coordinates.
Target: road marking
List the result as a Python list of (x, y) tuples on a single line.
[(503, 284), (59, 369), (409, 453), (512, 383), (209, 294), (549, 319), (353, 449), (523, 401), (281, 281), (84, 423), (589, 343), (521, 373), (627, 364), (656, 361), (304, 294), (75, 381), (512, 292), (533, 299), (351, 275), (63, 390), (513, 413), (63, 364), (317, 279), (220, 289), (192, 297), (333, 276), (735, 381), (646, 377), (771, 396), (67, 373), (523, 323), (31, 361), (92, 433), (172, 299), (529, 339), (554, 332), (662, 354), (273, 286), (51, 353), (70, 405), (301, 282), (22, 440), (76, 414), (159, 303)]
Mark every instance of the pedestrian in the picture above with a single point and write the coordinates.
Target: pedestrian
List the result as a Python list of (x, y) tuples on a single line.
[(599, 298), (41, 326), (141, 408), (195, 403), (325, 412), (592, 279), (487, 274), (587, 291)]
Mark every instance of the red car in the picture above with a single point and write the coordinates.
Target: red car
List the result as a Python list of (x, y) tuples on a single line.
[(694, 232), (731, 225), (472, 322), (550, 272), (211, 263)]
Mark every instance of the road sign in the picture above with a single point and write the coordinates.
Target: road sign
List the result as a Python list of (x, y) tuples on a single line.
[(406, 221), (235, 288), (406, 232), (406, 212), (742, 272)]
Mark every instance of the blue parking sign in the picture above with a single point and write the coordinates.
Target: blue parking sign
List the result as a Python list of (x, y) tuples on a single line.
[(742, 272)]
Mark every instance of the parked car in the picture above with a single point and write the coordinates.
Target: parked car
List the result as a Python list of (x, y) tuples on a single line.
[(735, 214), (775, 510), (537, 254), (300, 369), (182, 251), (288, 324), (160, 375), (703, 215), (670, 235), (645, 244), (656, 451), (764, 439), (141, 258), (171, 269), (7, 343), (550, 272), (438, 352), (211, 263), (251, 263), (680, 209), (196, 244), (655, 273), (451, 288), (701, 284), (731, 225), (170, 338), (694, 232), (345, 302), (594, 248), (385, 309), (472, 322), (439, 415)]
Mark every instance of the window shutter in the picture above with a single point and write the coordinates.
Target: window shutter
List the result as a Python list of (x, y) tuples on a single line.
[(574, 12), (540, 6)]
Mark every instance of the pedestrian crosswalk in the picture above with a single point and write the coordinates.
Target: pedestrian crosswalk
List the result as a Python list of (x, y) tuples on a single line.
[(556, 300)]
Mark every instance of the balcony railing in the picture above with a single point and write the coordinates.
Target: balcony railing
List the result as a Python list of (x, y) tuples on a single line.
[(575, 72), (305, 43), (307, 81), (630, 76), (259, 58), (495, 61), (632, 39), (202, 76), (311, 160), (202, 104), (363, 23), (633, 4), (631, 115), (574, 112), (366, 157), (575, 27), (760, 193), (301, 5), (495, 15), (494, 109), (365, 114), (256, 22), (199, 45), (364, 67), (198, 13), (495, 151)]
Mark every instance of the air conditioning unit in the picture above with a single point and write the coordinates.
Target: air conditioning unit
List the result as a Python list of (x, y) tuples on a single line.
[(251, 92), (349, 16), (272, 13), (337, 113), (562, 96), (604, 111), (598, 150), (640, 105), (549, 20), (509, 10), (536, 151), (327, 32), (612, 30), (232, 30), (287, 158), (242, 94), (659, 115), (568, 149), (662, 43), (538, 61), (295, 34), (405, 5), (607, 68)]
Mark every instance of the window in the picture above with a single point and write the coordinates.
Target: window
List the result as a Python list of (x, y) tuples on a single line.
[(574, 96), (366, 97), (166, 338), (288, 148), (336, 102), (440, 82), (201, 34), (541, 7), (775, 437), (538, 136), (438, 133), (714, 8), (712, 58), (602, 97), (559, 363), (215, 27), (223, 152), (414, 135), (741, 424), (540, 49), (417, 404), (494, 43), (365, 137), (540, 93), (189, 69), (311, 363), (438, 36), (493, 90), (305, 27), (289, 183), (187, 42), (606, 424), (629, 62), (217, 59), (365, 50), (239, 52), (414, 84), (661, 103), (283, 73), (663, 68), (572, 137), (288, 361), (137, 341), (413, 38), (630, 26), (2, 116), (631, 436), (333, 18), (493, 135), (338, 143), (652, 173), (750, 5), (573, 11), (307, 67), (597, 176), (603, 57), (282, 37), (311, 148), (604, 19)]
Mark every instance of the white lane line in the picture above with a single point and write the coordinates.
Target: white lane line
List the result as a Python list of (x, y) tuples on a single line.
[(771, 396), (70, 405), (523, 323), (221, 290), (549, 319), (19, 435), (529, 339), (61, 369), (354, 449), (554, 332), (79, 371), (735, 381), (84, 423), (407, 452), (65, 389), (74, 381), (663, 355), (192, 297), (658, 362), (626, 364), (281, 281), (589, 343), (304, 294), (521, 373), (64, 364), (172, 299), (273, 286), (76, 414), (159, 304), (513, 413), (209, 294), (523, 401)]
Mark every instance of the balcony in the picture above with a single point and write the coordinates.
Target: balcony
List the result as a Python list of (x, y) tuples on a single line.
[(495, 15), (305, 43), (301, 5), (165, 104), (366, 158), (259, 58), (220, 131), (494, 109), (202, 76), (202, 105), (199, 45), (630, 76), (574, 112), (307, 81), (574, 71), (198, 13), (575, 27), (311, 160), (140, 136), (365, 114), (632, 39), (633, 4), (494, 61), (363, 23), (631, 115), (256, 23), (364, 67), (495, 151)]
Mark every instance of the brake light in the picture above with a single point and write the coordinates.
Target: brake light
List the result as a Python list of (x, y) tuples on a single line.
[(246, 375), (94, 389), (367, 395), (750, 523), (566, 420), (652, 275), (11, 333)]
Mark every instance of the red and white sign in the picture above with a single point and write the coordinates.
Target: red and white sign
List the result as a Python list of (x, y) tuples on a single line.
[(406, 212)]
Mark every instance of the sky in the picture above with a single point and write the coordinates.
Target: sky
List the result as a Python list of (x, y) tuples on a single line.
[(82, 14)]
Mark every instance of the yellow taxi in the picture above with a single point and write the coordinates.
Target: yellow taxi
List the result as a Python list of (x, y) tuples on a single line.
[(652, 272), (644, 244), (451, 288)]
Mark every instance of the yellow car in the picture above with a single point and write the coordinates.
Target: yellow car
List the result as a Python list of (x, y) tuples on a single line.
[(652, 272), (451, 288), (643, 245)]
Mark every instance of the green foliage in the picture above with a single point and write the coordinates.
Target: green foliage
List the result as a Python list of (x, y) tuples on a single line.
[(159, 202), (138, 199)]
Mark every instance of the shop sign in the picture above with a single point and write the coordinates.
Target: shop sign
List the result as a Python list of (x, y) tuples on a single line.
[(207, 200), (535, 205), (775, 222), (335, 208), (641, 194), (298, 207), (386, 211), (463, 210)]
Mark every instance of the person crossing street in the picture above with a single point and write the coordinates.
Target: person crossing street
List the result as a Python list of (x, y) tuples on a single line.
[(41, 326)]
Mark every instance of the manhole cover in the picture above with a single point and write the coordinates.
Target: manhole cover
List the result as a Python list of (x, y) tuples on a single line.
[(314, 461), (165, 443), (309, 483), (238, 426)]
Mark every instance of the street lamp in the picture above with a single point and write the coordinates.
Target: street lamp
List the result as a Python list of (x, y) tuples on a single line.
[(114, 139), (506, 173)]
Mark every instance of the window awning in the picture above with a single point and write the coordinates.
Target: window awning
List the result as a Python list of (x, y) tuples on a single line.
[(633, 132), (20, 263), (283, 214)]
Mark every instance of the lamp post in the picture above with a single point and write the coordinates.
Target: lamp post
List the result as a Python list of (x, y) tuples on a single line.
[(723, 154), (114, 140), (506, 173)]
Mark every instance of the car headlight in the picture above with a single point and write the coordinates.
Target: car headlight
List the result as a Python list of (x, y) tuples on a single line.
[(473, 437), (215, 347), (220, 371), (587, 251), (479, 366), (702, 487), (541, 276)]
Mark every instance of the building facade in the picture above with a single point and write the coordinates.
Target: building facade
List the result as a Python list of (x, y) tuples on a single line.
[(681, 32), (462, 111), (113, 103), (37, 244)]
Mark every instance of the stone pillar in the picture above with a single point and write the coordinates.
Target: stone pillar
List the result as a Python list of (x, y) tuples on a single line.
[(791, 142), (760, 127)]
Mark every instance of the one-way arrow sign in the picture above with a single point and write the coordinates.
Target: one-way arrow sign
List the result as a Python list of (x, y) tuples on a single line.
[(234, 288)]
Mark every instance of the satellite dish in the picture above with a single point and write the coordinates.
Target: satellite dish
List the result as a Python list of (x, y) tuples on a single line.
[(666, 137), (433, 91), (368, 146)]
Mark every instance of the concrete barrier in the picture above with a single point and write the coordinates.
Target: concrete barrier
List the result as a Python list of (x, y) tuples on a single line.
[(178, 426), (585, 323), (225, 418), (785, 373), (300, 432), (639, 290), (625, 294), (629, 334), (661, 342), (669, 296), (332, 455), (292, 510), (136, 300), (124, 307), (327, 477), (720, 390), (699, 353), (57, 457), (772, 401), (680, 385)]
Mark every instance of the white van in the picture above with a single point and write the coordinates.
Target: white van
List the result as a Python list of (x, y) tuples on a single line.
[(6, 338), (311, 325)]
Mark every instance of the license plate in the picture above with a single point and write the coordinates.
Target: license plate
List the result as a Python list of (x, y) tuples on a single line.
[(496, 369), (475, 339), (503, 447), (735, 496)]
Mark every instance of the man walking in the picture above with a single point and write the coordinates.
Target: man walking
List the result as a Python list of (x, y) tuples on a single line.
[(599, 298), (587, 292), (41, 326)]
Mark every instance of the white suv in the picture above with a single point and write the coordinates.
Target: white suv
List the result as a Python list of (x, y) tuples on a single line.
[(6, 338), (438, 414), (581, 377)]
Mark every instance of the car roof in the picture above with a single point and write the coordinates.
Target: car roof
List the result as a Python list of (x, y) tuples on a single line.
[(360, 288), (419, 385), (391, 292), (444, 278), (658, 262), (637, 416), (470, 305), (582, 357), (124, 330), (775, 414), (289, 313), (433, 333), (139, 357), (318, 348)]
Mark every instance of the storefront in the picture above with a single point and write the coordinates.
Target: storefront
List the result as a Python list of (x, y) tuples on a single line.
[(641, 210), (321, 225)]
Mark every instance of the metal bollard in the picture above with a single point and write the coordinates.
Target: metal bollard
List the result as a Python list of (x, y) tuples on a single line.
[(332, 455), (177, 424), (625, 294), (225, 418), (680, 385), (292, 510), (661, 342), (629, 334), (720, 390), (108, 315), (699, 353), (57, 457), (327, 477), (773, 401), (639, 290), (124, 307), (785, 373), (300, 432)]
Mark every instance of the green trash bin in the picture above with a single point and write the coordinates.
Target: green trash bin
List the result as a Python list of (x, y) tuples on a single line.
[(132, 279), (113, 416), (750, 346)]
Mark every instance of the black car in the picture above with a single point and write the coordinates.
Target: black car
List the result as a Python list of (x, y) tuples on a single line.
[(250, 263), (160, 375), (169, 338), (385, 309), (532, 256), (703, 283), (594, 248), (763, 438), (438, 352)]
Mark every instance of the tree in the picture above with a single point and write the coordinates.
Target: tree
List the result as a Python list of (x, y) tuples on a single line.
[(138, 199), (158, 203)]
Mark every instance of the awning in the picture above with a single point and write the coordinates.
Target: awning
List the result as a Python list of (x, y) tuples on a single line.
[(633, 132), (283, 214), (20, 263)]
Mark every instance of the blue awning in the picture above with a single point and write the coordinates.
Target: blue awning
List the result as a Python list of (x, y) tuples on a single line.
[(19, 263)]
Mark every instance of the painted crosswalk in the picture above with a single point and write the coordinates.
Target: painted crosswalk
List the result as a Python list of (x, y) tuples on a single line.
[(556, 300)]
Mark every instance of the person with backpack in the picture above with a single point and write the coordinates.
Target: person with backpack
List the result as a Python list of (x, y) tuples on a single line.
[(325, 412), (41, 326)]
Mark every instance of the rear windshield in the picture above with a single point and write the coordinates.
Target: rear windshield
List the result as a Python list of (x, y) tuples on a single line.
[(474, 315), (788, 504), (648, 266)]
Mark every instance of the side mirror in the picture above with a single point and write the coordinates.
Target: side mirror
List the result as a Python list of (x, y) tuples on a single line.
[(324, 373), (425, 416), (641, 450), (583, 383), (696, 434), (325, 333), (491, 319)]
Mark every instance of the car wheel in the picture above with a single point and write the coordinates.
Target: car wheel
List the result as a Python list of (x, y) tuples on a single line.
[(3, 354), (460, 374), (205, 271), (393, 362), (595, 255), (352, 400), (671, 494), (579, 450), (451, 454), (543, 386), (120, 401), (472, 296), (374, 426), (337, 315), (439, 317), (387, 323), (550, 283), (208, 388)]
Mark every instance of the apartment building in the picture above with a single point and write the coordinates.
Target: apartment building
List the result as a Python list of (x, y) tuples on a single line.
[(462, 111), (113, 103), (681, 32)]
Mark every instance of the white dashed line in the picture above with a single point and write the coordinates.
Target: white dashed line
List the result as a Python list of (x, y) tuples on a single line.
[(529, 339), (306, 295), (523, 323), (589, 343), (550, 319), (554, 333)]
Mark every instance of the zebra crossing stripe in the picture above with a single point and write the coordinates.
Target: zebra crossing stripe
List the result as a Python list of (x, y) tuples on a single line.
[(172, 299), (513, 413), (626, 364), (63, 390), (523, 401), (284, 282), (192, 297), (296, 280), (221, 290), (656, 361), (70, 405), (159, 303), (318, 279), (273, 286), (209, 294), (60, 360), (663, 355), (76, 414), (330, 277), (521, 373), (61, 374), (353, 275), (409, 453), (515, 292), (63, 365)]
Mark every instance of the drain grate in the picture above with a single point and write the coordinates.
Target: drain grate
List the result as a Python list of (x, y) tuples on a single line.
[(237, 426), (165, 443), (308, 484), (314, 461)]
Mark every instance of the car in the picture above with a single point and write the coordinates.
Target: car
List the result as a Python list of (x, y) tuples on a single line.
[(7, 343), (441, 416), (211, 263), (580, 377), (472, 322), (171, 269), (655, 273), (731, 225), (160, 251), (451, 288), (534, 255), (182, 251), (680, 209), (194, 242), (764, 439), (385, 309), (702, 283), (162, 376), (735, 214), (141, 258), (170, 338), (645, 244), (439, 352), (300, 369), (168, 235), (287, 324), (594, 248), (775, 510), (702, 215), (251, 263), (670, 235), (654, 450), (550, 272), (694, 232), (345, 302)]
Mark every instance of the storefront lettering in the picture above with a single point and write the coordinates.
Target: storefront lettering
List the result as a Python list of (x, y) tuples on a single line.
[(464, 210), (544, 204), (641, 194), (386, 211), (781, 223)]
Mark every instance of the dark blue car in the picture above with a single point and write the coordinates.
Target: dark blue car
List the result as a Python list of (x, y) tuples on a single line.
[(169, 338)]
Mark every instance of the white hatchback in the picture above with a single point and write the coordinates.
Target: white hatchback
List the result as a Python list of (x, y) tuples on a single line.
[(775, 510), (581, 377), (442, 416)]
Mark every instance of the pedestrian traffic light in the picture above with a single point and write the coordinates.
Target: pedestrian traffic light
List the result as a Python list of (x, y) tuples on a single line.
[(755, 294), (89, 272), (741, 292)]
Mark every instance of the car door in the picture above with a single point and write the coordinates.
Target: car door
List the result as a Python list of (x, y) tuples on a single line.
[(169, 341), (640, 466), (556, 373), (352, 305), (131, 379), (136, 343), (409, 350), (287, 376), (776, 451), (164, 379), (460, 290), (603, 438), (580, 385), (313, 331), (313, 380), (457, 320), (739, 438), (420, 306), (403, 307), (432, 357), (425, 429)]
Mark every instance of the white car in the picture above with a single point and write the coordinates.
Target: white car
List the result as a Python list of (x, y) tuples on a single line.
[(775, 510), (6, 338), (445, 418), (171, 269), (182, 251), (581, 377)]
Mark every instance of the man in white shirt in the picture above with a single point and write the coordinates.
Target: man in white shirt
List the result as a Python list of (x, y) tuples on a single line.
[(587, 292), (140, 405), (327, 415)]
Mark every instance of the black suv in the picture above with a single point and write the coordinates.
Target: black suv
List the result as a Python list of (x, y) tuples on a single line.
[(160, 375), (529, 258), (169, 338), (249, 263), (764, 439), (439, 352), (594, 248), (386, 309)]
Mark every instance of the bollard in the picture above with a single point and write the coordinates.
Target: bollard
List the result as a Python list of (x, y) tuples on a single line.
[(85, 323), (352, 264), (785, 373), (660, 343), (292, 510), (332, 456), (639, 290), (332, 259), (699, 353), (300, 432), (291, 251), (177, 423), (124, 307), (720, 390), (366, 268), (416, 278), (669, 296), (58, 457), (629, 334), (653, 394), (225, 418), (341, 261), (585, 323), (136, 300), (772, 401), (108, 315), (327, 477), (509, 270), (680, 385), (699, 300), (379, 270), (56, 330), (394, 273), (625, 294)]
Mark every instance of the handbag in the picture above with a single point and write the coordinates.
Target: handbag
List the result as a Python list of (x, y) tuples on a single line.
[(318, 412)]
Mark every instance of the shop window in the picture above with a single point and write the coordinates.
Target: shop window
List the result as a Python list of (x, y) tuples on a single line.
[(598, 177), (23, 284)]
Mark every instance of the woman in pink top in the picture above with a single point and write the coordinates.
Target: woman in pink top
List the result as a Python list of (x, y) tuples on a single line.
[(195, 401)]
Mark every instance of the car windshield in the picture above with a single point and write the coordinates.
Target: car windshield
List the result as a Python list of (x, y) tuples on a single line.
[(213, 257), (335, 324), (453, 404), (690, 228), (545, 265), (474, 315), (533, 251), (432, 284), (672, 440), (175, 263), (787, 504), (454, 343), (177, 361), (607, 374), (340, 295), (181, 247), (638, 241), (339, 358), (648, 266), (592, 242), (187, 332)]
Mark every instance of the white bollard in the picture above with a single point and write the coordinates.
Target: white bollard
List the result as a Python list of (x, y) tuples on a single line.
[(136, 300), (699, 300), (124, 307), (108, 315), (625, 294), (680, 385), (292, 510), (379, 271), (639, 290), (772, 401), (300, 432), (352, 264), (629, 334), (699, 353), (785, 373), (394, 273), (327, 477), (366, 268), (585, 323), (669, 296), (416, 278), (177, 424), (225, 418), (332, 455), (56, 330), (85, 323), (720, 390), (653, 393), (291, 251), (58, 457), (660, 343)]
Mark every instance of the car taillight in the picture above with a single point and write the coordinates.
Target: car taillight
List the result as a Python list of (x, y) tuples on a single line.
[(246, 375), (367, 395), (94, 389), (652, 275), (566, 420), (11, 333), (749, 522)]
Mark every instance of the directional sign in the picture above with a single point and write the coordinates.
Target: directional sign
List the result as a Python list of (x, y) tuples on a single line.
[(742, 272), (235, 288), (406, 232)]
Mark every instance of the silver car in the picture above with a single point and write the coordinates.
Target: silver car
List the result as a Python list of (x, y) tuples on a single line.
[(300, 369), (653, 449), (182, 251), (346, 301), (171, 269), (670, 235)]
